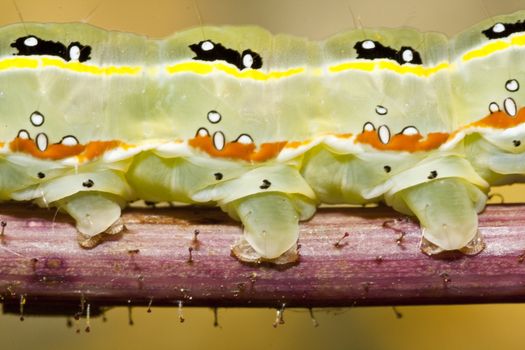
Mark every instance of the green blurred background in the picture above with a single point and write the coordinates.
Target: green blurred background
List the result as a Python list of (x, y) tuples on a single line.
[(430, 327)]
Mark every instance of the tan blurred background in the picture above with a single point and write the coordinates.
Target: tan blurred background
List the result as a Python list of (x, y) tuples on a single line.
[(461, 327)]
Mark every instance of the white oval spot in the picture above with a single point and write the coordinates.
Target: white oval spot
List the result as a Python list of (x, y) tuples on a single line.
[(41, 142), (23, 134), (384, 134), (381, 110), (410, 130), (36, 118), (218, 141), (368, 127), (247, 60), (368, 44), (244, 139), (407, 55), (207, 46), (498, 28), (214, 117), (31, 41), (510, 106), (74, 53), (512, 85), (203, 132), (69, 140), (493, 107)]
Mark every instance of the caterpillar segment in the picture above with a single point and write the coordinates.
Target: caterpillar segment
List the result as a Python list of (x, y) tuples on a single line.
[(266, 127)]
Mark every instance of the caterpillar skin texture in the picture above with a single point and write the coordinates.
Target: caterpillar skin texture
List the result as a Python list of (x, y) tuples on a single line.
[(265, 126)]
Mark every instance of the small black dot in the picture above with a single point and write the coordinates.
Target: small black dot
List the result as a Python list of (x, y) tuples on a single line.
[(149, 203), (218, 176), (516, 143), (433, 175), (3, 224), (41, 175), (265, 185), (89, 183), (387, 168)]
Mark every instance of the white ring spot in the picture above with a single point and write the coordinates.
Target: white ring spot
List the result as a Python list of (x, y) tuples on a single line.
[(23, 134), (407, 55), (214, 117), (207, 46), (368, 45), (498, 28), (69, 141), (41, 142), (410, 130), (381, 110), (244, 139), (31, 41), (218, 141), (512, 85), (510, 107), (368, 127), (247, 60), (384, 134), (493, 107), (202, 132), (74, 53), (36, 118)]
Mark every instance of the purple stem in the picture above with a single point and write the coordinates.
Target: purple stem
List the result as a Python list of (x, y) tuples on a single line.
[(373, 265)]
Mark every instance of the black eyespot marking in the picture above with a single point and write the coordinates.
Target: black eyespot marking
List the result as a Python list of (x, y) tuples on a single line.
[(433, 175), (41, 175), (265, 185), (207, 50), (516, 143), (371, 50), (503, 30), (218, 176), (31, 45), (387, 168), (89, 183)]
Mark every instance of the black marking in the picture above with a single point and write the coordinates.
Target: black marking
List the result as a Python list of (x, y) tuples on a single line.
[(88, 184), (387, 168), (516, 143), (503, 30), (379, 51), (41, 175), (217, 52), (51, 48), (214, 117), (218, 176), (265, 185), (433, 175)]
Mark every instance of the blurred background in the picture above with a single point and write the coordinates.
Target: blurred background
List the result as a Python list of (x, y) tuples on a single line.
[(430, 327)]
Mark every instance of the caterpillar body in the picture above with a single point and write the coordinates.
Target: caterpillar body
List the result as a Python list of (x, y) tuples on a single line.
[(265, 126)]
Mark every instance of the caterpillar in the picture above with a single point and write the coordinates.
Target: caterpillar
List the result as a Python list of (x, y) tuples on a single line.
[(266, 127)]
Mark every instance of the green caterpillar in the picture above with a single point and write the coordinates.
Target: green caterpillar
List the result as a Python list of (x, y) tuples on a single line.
[(265, 126)]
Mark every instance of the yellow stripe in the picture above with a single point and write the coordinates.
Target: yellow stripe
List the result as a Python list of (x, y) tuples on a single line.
[(18, 62), (85, 68), (388, 65), (204, 68), (39, 62), (494, 46)]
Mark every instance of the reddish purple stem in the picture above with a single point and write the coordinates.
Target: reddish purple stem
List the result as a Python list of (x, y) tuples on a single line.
[(41, 260)]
